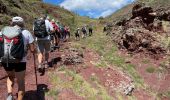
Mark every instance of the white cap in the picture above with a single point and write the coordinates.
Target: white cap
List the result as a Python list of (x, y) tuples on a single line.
[(53, 20), (17, 19), (41, 18)]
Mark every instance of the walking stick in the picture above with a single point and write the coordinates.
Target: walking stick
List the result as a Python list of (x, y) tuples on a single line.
[(35, 71)]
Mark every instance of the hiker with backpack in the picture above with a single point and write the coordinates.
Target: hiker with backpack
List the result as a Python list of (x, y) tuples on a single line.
[(58, 33), (55, 33), (84, 31), (77, 34), (14, 43), (90, 30), (62, 32), (42, 28)]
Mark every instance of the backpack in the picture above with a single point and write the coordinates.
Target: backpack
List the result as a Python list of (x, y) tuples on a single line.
[(62, 30), (56, 28), (83, 29), (40, 28), (11, 45)]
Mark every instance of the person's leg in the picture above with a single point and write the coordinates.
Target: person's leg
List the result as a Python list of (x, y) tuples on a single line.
[(82, 35), (91, 32), (47, 50), (59, 38), (69, 35), (40, 58), (56, 39), (11, 75), (20, 76), (40, 49), (65, 35), (10, 81)]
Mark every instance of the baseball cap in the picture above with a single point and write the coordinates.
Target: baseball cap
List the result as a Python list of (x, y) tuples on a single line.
[(17, 19)]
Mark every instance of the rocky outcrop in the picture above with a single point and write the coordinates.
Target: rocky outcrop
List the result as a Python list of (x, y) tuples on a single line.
[(139, 33), (72, 57)]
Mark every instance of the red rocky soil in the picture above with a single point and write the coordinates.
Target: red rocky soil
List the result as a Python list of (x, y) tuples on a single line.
[(159, 80), (111, 78)]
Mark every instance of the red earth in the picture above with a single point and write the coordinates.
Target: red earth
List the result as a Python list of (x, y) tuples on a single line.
[(109, 77)]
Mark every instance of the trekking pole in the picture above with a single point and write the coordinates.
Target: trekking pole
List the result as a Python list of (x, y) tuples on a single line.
[(35, 71)]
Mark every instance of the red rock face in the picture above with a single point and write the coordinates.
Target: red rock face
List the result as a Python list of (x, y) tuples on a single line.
[(139, 33)]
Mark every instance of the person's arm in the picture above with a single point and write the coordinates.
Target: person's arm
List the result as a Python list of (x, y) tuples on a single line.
[(32, 47), (49, 26), (31, 42)]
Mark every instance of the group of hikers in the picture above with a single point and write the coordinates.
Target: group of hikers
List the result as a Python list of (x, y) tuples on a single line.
[(83, 32), (15, 41)]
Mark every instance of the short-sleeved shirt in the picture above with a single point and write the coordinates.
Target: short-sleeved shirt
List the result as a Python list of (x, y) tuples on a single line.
[(28, 39)]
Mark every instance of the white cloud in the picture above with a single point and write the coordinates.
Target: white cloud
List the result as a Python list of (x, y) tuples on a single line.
[(103, 6), (106, 13)]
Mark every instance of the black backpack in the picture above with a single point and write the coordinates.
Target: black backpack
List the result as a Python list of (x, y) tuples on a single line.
[(83, 29), (40, 28), (11, 45)]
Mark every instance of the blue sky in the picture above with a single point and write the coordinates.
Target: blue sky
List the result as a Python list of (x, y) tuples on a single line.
[(92, 8)]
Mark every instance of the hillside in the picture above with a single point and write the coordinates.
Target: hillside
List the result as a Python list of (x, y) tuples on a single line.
[(30, 9), (125, 12), (148, 17), (141, 30)]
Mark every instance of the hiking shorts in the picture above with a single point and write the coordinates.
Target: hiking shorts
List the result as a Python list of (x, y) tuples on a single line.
[(17, 67), (77, 35), (43, 45)]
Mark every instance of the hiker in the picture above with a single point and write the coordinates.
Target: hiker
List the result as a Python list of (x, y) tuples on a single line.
[(67, 31), (77, 34), (13, 49), (56, 32), (84, 31), (3, 8), (90, 30), (62, 32), (42, 28), (105, 28)]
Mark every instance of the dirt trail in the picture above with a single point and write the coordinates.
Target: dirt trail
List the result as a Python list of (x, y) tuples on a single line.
[(43, 83), (110, 78)]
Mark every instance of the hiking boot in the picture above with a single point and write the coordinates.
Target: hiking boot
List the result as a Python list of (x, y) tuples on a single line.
[(52, 49), (10, 97), (46, 64), (41, 69)]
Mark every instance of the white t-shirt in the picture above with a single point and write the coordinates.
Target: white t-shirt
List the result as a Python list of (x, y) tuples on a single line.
[(28, 39), (49, 27)]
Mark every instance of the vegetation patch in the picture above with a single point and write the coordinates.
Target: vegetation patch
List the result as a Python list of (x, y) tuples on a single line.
[(150, 70), (145, 61), (77, 84)]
